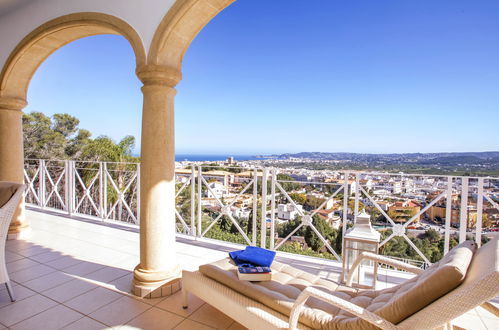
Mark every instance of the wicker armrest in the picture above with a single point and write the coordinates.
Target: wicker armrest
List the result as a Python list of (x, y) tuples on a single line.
[(383, 260), (14, 200), (338, 302)]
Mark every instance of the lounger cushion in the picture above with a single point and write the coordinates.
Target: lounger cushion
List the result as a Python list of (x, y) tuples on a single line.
[(280, 293), (394, 304), (399, 302), (7, 190)]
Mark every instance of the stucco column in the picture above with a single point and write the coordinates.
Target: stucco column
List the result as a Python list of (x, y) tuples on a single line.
[(158, 273), (12, 156)]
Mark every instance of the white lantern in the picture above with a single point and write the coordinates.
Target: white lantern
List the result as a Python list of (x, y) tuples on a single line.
[(362, 237)]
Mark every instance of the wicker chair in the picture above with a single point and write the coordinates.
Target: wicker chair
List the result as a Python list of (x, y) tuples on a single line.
[(10, 195), (481, 284)]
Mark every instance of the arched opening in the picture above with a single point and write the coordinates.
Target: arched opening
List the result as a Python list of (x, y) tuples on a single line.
[(47, 38), (19, 69), (82, 123)]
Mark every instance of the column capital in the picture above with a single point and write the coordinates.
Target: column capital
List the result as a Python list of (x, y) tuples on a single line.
[(12, 103), (159, 75)]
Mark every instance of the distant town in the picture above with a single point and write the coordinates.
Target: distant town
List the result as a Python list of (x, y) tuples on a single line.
[(452, 163), (387, 187)]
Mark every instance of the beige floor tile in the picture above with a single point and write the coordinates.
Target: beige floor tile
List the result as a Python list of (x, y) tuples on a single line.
[(64, 262), (83, 268), (12, 256), (33, 251), (107, 274), (20, 292), (156, 319), (211, 316), (85, 323), (149, 301), (236, 326), (17, 245), (127, 263), (122, 284), (51, 319), (192, 325), (47, 257), (48, 281), (20, 264), (92, 300), (120, 311), (69, 290), (174, 304), (24, 309), (31, 273)]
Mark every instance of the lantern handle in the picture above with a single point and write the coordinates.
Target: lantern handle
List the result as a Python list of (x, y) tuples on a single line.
[(382, 260)]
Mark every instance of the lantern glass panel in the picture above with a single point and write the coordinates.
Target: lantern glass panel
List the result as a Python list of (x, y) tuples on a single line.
[(366, 272)]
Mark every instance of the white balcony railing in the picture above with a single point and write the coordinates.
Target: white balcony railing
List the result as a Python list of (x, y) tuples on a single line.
[(259, 206)]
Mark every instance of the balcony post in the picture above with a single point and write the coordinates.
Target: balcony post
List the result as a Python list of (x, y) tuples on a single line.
[(158, 273), (12, 157)]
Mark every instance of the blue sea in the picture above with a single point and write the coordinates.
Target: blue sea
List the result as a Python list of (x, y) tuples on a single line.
[(212, 158)]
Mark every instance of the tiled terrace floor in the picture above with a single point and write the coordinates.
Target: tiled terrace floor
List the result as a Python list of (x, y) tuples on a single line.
[(76, 274)]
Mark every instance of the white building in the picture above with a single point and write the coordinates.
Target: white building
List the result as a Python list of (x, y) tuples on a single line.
[(335, 222), (288, 211), (397, 187), (409, 186), (240, 212), (217, 190)]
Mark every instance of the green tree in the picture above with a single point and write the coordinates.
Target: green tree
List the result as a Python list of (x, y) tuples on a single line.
[(287, 186), (41, 141), (313, 241), (298, 198), (286, 228), (103, 148), (432, 235), (77, 144), (65, 124), (60, 137)]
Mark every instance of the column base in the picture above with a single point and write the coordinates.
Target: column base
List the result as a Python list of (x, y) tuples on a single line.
[(19, 233), (146, 285)]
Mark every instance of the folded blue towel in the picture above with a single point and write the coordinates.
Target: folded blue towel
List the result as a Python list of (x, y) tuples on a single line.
[(235, 257), (254, 256)]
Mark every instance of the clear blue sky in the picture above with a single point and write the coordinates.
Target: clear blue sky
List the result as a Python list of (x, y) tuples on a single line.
[(272, 76)]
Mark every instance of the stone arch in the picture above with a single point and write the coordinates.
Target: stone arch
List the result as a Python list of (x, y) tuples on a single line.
[(179, 27), (30, 53)]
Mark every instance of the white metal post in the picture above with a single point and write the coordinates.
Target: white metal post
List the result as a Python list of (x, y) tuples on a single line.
[(463, 222), (272, 209), (102, 211), (448, 215), (200, 183), (255, 207), (263, 238), (42, 180), (357, 195), (67, 186), (193, 201), (104, 197), (479, 213), (73, 185), (345, 204), (137, 187)]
